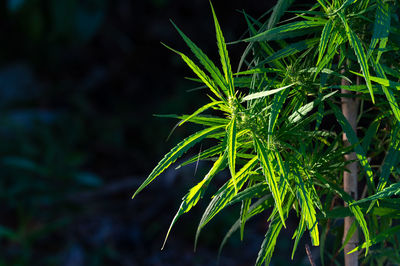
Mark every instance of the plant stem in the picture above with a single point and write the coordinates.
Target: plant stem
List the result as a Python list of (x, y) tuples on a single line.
[(350, 111)]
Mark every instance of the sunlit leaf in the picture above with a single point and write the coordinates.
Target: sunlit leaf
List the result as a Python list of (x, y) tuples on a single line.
[(196, 192), (265, 93), (223, 53), (232, 140), (289, 30), (176, 152), (269, 174)]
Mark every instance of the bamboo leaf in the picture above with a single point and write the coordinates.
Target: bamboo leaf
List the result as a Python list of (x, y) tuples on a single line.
[(307, 209), (201, 120), (358, 48), (265, 93), (277, 104), (204, 60), (393, 190), (224, 195), (279, 9), (200, 110), (323, 43), (305, 109), (289, 30), (206, 79), (352, 137), (290, 49), (381, 27), (379, 238), (356, 210), (391, 158), (197, 192), (223, 52), (258, 207), (232, 141), (298, 234), (268, 245), (269, 173), (176, 152)]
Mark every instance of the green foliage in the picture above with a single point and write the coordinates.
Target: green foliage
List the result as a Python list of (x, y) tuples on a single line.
[(274, 126)]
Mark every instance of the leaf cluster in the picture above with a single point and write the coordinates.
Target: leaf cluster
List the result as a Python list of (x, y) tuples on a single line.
[(278, 128)]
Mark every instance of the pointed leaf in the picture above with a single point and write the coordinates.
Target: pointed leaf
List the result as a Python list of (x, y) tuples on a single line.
[(197, 192), (204, 60), (223, 53), (277, 104), (176, 152), (379, 238), (352, 137), (224, 195), (289, 30), (279, 9), (200, 110), (268, 245), (291, 49), (307, 209), (358, 48), (356, 210), (393, 190), (269, 174), (381, 26), (323, 43), (265, 93), (206, 79), (232, 140)]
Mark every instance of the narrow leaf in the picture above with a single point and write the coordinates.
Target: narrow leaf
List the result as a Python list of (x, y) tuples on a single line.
[(232, 140), (265, 93), (200, 110), (279, 9), (289, 50), (379, 238), (223, 53), (204, 60), (197, 192), (206, 79), (323, 43), (224, 195), (289, 30), (176, 152), (307, 209), (356, 210), (393, 190), (381, 26), (269, 174), (358, 48), (352, 137)]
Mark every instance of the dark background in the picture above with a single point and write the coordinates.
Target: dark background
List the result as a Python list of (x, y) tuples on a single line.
[(79, 84)]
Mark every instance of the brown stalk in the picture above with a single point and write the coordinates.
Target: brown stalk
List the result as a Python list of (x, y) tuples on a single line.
[(350, 111)]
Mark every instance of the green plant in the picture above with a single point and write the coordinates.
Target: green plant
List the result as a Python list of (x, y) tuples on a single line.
[(279, 130)]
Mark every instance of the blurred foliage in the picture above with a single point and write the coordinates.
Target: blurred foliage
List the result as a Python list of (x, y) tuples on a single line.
[(74, 83)]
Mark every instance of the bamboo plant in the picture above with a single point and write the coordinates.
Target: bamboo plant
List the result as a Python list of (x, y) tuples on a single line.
[(308, 124)]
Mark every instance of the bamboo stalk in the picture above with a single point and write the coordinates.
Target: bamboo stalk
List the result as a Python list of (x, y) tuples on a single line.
[(350, 111)]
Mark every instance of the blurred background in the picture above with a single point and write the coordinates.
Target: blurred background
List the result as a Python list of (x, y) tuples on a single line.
[(80, 81)]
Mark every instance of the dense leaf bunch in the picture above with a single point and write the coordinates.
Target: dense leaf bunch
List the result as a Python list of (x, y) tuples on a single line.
[(279, 131)]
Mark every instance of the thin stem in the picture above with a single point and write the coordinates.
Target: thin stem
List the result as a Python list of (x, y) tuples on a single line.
[(350, 111)]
